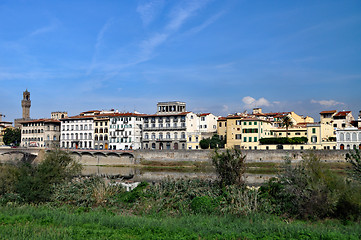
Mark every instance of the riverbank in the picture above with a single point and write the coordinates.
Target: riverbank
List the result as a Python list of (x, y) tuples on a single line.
[(43, 222)]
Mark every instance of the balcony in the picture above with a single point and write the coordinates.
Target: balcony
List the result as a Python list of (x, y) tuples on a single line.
[(164, 128)]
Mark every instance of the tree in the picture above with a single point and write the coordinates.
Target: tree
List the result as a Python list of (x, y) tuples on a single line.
[(354, 158), (287, 122), (230, 166), (36, 182), (12, 136), (204, 143)]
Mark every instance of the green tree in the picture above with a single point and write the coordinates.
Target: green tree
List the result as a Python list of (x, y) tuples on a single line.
[(204, 143), (354, 158), (12, 136), (36, 182), (287, 122), (230, 166)]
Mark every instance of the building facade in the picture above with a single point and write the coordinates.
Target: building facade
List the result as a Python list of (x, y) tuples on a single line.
[(77, 132), (348, 138), (125, 131), (40, 133)]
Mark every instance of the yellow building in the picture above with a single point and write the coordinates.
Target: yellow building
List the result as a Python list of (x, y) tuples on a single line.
[(245, 132)]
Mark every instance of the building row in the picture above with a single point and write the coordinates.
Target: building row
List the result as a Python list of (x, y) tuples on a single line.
[(173, 127)]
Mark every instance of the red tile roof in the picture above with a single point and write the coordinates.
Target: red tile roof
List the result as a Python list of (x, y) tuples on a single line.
[(41, 120), (342, 113), (328, 112), (203, 114)]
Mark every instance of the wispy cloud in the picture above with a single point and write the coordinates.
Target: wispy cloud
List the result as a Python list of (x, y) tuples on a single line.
[(208, 22), (53, 26), (149, 11), (182, 13), (327, 103)]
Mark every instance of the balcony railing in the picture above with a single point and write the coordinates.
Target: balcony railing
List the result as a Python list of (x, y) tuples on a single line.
[(164, 128)]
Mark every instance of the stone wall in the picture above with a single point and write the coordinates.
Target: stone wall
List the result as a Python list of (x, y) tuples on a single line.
[(251, 155)]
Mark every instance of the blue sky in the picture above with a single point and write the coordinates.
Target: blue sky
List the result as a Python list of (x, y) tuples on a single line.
[(217, 56)]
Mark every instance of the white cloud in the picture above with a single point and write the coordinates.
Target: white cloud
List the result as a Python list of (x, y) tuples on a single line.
[(149, 10), (327, 103), (181, 14), (250, 102)]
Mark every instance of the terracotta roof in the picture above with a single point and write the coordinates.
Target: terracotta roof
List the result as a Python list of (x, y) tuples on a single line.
[(203, 114), (342, 113), (327, 112), (222, 118), (41, 120)]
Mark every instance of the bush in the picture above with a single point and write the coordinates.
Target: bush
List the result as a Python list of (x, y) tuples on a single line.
[(36, 182), (204, 143), (204, 205), (307, 190), (230, 166), (284, 140)]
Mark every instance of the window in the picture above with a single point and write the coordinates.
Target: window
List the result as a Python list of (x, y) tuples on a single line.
[(255, 139), (249, 123), (249, 139), (313, 130), (238, 136), (313, 139), (255, 123), (244, 139), (190, 138), (220, 124), (238, 122)]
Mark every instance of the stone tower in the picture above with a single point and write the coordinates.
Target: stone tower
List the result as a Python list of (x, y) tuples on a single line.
[(26, 104)]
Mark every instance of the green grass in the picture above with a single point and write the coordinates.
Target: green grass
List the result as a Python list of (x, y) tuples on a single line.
[(30, 222)]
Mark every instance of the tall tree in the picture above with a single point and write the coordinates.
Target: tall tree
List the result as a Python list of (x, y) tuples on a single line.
[(287, 122), (12, 136)]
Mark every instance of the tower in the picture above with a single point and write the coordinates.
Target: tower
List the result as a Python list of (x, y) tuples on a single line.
[(26, 104)]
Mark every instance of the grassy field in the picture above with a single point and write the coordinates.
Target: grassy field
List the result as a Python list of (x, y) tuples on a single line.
[(31, 222)]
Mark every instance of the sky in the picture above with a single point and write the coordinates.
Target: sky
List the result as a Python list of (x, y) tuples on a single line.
[(220, 56)]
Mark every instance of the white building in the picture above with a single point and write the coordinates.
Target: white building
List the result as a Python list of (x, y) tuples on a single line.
[(125, 131), (167, 129), (205, 127), (348, 138), (77, 132)]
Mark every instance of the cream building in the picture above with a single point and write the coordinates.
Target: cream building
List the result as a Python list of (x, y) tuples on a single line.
[(101, 132), (206, 127), (40, 133), (342, 120)]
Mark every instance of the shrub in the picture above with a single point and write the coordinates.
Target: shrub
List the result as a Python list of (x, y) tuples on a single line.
[(284, 140), (230, 166), (307, 190), (36, 182), (204, 204), (204, 143)]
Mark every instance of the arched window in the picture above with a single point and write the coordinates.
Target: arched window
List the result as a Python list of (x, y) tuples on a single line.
[(101, 130), (48, 137), (96, 137), (348, 137), (96, 130), (153, 136), (72, 136), (168, 135), (54, 138), (183, 136), (90, 137), (342, 137), (63, 136), (146, 136), (175, 135), (85, 135), (100, 137), (105, 130), (354, 137), (81, 136), (153, 145), (105, 137), (160, 135)]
